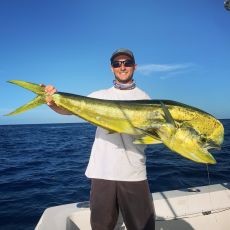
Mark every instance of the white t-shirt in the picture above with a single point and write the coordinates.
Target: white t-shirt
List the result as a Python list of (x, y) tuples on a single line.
[(114, 156)]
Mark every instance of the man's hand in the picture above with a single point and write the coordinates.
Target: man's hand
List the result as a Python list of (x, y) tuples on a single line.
[(49, 90)]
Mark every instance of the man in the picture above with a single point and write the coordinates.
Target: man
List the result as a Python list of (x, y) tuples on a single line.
[(117, 167)]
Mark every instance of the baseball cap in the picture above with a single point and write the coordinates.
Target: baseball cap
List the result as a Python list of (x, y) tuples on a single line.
[(121, 51)]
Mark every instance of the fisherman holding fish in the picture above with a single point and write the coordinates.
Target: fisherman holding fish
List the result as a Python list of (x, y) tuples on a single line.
[(117, 167)]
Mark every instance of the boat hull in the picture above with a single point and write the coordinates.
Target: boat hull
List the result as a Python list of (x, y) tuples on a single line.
[(206, 207)]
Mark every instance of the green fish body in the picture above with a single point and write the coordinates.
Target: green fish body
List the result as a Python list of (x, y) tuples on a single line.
[(184, 129)]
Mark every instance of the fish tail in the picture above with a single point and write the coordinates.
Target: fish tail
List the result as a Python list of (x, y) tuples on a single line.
[(36, 88), (38, 100)]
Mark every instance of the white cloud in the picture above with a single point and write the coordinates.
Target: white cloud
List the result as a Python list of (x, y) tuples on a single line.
[(150, 69)]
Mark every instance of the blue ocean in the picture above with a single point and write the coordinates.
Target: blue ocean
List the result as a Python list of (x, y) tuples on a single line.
[(44, 165)]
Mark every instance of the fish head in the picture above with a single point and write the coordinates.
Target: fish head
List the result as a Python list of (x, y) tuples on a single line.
[(216, 138), (187, 142)]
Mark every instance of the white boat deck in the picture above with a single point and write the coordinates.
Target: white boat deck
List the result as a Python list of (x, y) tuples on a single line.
[(200, 208)]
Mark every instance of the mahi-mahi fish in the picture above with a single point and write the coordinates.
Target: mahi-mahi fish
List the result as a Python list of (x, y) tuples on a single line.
[(184, 129)]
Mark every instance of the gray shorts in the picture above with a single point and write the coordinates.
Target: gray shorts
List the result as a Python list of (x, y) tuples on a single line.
[(133, 199)]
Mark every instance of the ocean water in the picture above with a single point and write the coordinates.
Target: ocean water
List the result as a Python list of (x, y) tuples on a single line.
[(44, 165)]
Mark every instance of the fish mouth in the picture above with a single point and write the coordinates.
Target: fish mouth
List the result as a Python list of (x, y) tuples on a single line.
[(210, 144)]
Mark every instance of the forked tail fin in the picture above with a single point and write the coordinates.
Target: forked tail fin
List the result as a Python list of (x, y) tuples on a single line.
[(38, 100)]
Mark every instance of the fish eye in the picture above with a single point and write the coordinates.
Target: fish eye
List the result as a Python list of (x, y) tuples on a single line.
[(203, 139)]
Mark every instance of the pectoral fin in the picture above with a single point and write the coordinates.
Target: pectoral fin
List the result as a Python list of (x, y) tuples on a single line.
[(148, 140), (167, 115), (148, 137)]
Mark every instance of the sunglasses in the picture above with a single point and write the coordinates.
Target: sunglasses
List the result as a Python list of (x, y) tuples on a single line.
[(126, 63)]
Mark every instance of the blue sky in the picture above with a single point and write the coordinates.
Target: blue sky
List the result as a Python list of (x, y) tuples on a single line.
[(181, 47)]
